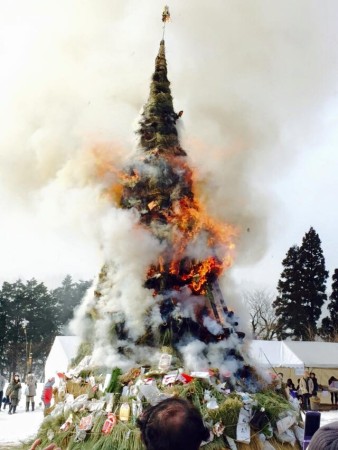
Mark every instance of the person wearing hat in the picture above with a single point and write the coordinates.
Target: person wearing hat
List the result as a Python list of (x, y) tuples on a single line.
[(13, 393), (30, 392), (325, 438)]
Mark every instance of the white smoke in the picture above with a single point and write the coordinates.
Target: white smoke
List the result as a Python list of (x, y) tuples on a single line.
[(254, 81)]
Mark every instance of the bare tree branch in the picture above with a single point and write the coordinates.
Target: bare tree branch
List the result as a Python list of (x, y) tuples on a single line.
[(262, 315)]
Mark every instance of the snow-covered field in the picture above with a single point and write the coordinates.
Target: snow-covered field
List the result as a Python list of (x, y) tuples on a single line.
[(23, 425)]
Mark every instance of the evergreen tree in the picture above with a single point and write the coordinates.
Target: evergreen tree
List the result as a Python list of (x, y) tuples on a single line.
[(301, 290), (314, 276), (329, 328), (69, 296), (286, 304), (30, 324)]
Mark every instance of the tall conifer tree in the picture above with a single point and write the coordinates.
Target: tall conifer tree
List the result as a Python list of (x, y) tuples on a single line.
[(329, 328), (301, 289), (286, 303), (314, 276)]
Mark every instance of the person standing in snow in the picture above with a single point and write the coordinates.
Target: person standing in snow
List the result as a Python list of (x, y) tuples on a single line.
[(2, 387), (13, 393), (30, 390), (47, 393)]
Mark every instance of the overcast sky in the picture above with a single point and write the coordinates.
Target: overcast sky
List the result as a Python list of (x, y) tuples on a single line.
[(258, 83)]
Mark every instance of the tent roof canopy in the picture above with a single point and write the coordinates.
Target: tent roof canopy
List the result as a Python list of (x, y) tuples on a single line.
[(294, 354), (273, 354), (315, 354)]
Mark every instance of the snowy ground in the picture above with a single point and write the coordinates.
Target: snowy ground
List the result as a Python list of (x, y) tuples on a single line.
[(23, 425)]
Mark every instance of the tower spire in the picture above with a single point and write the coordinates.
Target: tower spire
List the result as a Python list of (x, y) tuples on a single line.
[(158, 122), (165, 18)]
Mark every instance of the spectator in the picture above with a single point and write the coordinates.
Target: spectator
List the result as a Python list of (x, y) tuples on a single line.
[(173, 424), (325, 438), (306, 389), (315, 384), (6, 401), (2, 387), (30, 392), (334, 395), (279, 383), (290, 389), (290, 385), (13, 393), (47, 393)]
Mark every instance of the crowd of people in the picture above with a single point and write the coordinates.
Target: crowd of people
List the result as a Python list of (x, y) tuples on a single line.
[(307, 387), (13, 393)]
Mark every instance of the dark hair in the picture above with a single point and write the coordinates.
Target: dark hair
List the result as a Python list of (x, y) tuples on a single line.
[(173, 424)]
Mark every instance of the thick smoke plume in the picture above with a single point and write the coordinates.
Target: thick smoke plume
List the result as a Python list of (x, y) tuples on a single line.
[(253, 81)]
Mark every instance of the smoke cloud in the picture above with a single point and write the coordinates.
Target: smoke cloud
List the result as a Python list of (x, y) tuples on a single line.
[(254, 81)]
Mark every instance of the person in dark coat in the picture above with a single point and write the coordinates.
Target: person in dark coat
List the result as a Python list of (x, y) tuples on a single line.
[(13, 393), (315, 384), (30, 393), (290, 385), (2, 387)]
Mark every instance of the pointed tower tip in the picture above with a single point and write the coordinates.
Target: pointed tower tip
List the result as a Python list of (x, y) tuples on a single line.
[(158, 122)]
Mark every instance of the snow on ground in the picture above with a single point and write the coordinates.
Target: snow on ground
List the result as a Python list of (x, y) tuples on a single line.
[(23, 425)]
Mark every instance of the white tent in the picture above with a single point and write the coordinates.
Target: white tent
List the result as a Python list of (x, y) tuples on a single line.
[(63, 350), (274, 354), (291, 358), (315, 354)]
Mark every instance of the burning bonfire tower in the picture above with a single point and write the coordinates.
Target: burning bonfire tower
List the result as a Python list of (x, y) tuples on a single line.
[(172, 315), (192, 321)]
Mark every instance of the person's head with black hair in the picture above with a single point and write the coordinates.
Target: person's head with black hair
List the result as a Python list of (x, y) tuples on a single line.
[(173, 424)]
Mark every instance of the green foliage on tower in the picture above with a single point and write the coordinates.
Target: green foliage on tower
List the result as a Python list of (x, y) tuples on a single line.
[(158, 122), (301, 290)]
